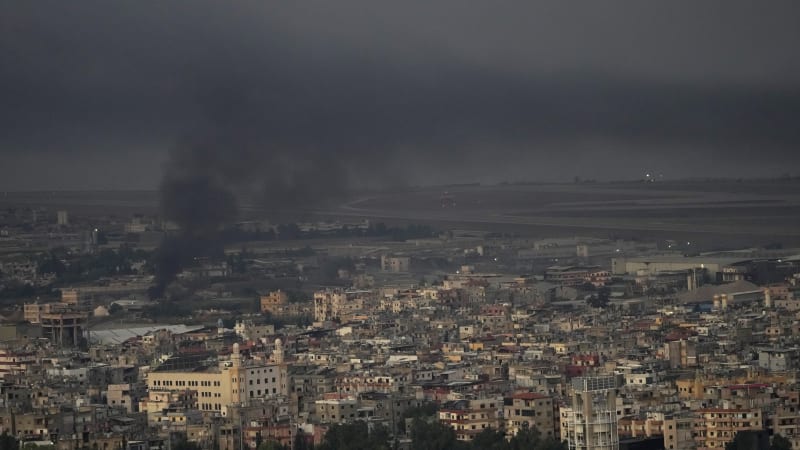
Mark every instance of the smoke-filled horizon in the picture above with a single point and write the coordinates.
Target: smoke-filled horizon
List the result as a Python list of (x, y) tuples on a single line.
[(296, 103)]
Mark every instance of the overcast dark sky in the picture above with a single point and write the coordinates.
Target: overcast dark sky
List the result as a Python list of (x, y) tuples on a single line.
[(98, 94)]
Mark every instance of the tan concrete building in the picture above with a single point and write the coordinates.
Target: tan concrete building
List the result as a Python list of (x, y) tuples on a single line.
[(785, 421), (395, 264), (337, 409), (231, 382), (333, 304), (74, 298), (678, 433), (470, 417), (159, 404), (119, 396), (32, 312), (529, 410), (680, 353), (714, 428), (15, 362), (274, 302)]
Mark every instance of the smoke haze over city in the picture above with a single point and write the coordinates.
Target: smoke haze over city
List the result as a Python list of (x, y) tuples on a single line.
[(408, 225)]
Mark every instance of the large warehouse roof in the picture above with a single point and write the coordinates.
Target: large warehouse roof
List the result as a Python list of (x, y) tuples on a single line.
[(122, 334)]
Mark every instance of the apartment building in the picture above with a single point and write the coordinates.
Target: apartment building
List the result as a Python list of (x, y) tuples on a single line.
[(337, 409), (713, 428), (15, 362), (678, 433), (334, 304), (529, 410), (274, 302), (469, 417)]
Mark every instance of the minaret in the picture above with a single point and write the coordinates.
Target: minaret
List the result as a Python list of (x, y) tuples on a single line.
[(277, 355), (236, 357), (767, 298)]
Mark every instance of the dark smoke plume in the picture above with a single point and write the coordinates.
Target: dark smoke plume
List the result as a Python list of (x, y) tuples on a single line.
[(208, 174), (200, 206)]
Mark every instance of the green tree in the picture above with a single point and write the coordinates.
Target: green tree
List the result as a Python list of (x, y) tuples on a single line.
[(423, 411), (531, 439), (355, 436), (434, 436), (8, 442), (748, 440), (779, 442), (272, 445), (600, 299), (183, 444), (301, 441), (51, 264), (490, 439), (34, 446)]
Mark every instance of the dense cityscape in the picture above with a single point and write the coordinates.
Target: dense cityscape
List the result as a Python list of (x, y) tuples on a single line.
[(333, 334)]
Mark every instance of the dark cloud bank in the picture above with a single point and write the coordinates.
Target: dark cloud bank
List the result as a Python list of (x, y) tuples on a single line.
[(296, 103)]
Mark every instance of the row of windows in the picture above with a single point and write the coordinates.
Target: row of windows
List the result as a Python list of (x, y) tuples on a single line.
[(729, 415), (532, 403), (333, 416), (181, 383), (266, 392)]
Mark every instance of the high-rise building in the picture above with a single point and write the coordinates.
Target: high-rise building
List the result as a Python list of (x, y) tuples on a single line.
[(591, 423)]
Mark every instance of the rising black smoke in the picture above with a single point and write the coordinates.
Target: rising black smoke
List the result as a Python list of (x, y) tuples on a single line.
[(209, 173)]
